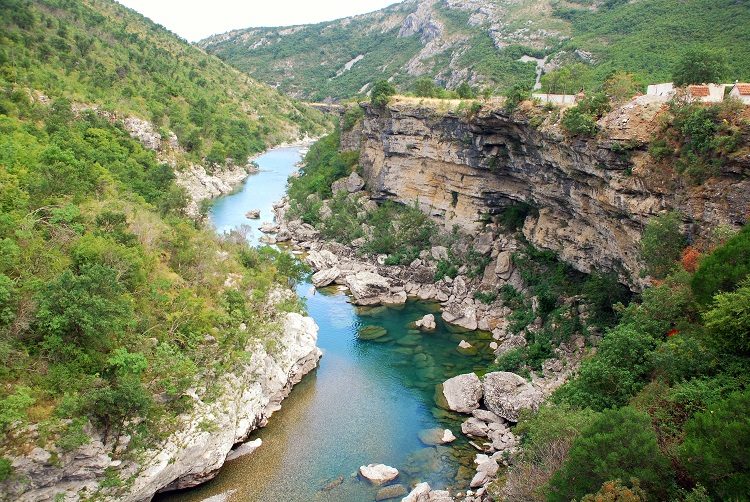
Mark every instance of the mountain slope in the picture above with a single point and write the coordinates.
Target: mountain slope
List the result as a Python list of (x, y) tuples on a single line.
[(101, 53), (125, 327), (484, 43)]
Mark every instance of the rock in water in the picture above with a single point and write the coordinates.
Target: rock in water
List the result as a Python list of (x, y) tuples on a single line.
[(505, 394), (463, 392), (434, 437), (427, 323), (253, 214), (378, 474), (371, 332), (325, 277), (391, 492)]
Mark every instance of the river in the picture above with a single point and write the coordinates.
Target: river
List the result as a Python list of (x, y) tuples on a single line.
[(366, 403)]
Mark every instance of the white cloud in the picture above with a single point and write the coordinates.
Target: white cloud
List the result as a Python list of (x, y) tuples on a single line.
[(197, 19)]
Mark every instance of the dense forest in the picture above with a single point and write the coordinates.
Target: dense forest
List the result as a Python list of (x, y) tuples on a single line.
[(112, 301)]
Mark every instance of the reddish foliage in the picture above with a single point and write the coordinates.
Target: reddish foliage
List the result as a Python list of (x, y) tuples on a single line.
[(690, 257)]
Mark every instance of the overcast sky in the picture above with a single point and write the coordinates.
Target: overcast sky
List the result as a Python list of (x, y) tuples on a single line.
[(197, 19)]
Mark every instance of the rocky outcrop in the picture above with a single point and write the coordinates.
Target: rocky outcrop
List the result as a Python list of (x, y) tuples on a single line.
[(590, 201), (199, 446), (201, 185)]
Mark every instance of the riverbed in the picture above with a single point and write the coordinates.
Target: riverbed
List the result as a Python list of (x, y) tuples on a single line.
[(366, 403)]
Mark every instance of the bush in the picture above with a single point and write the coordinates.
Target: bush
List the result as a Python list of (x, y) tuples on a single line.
[(728, 321), (614, 374), (724, 269), (381, 93), (619, 444), (662, 244), (6, 469), (577, 123), (717, 447)]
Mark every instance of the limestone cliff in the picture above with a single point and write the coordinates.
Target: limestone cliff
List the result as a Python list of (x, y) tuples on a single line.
[(592, 200)]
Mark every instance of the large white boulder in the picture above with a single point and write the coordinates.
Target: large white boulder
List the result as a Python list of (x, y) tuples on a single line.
[(367, 288), (506, 394), (378, 474), (463, 392)]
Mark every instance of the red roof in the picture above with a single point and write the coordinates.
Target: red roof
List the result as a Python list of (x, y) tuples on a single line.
[(743, 89), (699, 90)]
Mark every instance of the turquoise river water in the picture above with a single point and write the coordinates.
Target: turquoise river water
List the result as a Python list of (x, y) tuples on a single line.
[(367, 401)]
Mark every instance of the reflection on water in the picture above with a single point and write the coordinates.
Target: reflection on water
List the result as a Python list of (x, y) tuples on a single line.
[(366, 403)]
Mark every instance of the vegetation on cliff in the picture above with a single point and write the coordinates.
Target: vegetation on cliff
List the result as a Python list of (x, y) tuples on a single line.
[(674, 372), (112, 302)]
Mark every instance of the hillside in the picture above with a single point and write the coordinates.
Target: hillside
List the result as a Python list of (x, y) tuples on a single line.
[(484, 43), (100, 53), (126, 327)]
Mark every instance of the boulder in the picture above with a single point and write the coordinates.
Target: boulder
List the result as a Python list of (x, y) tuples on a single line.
[(371, 332), (503, 265), (506, 394), (463, 392), (269, 228), (354, 183), (427, 323), (378, 474), (253, 214), (391, 492), (325, 277), (367, 287), (461, 316), (487, 416), (434, 437), (420, 493), (475, 427), (321, 260)]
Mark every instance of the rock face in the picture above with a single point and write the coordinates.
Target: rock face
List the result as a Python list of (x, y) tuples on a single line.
[(192, 454), (591, 208), (201, 185), (463, 392), (506, 394)]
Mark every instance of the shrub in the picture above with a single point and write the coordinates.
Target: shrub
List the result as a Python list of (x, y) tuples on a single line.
[(728, 321), (614, 374), (717, 447), (577, 123), (381, 93), (619, 444), (662, 244), (724, 269)]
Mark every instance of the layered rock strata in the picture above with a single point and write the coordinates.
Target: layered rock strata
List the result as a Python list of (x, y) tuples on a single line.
[(591, 201)]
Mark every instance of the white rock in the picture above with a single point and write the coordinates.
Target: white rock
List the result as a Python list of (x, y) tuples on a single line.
[(505, 394), (463, 392), (378, 474)]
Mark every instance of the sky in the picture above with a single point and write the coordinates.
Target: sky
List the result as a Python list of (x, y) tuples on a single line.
[(198, 19)]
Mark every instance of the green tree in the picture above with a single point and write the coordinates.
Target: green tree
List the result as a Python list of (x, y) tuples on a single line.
[(724, 269), (716, 449), (617, 372), (425, 87), (514, 97), (82, 313), (619, 444), (381, 93), (699, 66), (621, 86), (465, 91), (577, 123), (662, 244), (728, 321)]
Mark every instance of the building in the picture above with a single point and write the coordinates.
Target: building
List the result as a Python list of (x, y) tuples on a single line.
[(741, 92), (708, 93), (665, 90)]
